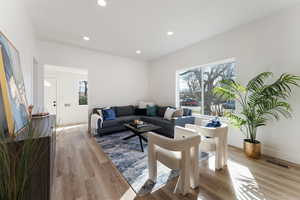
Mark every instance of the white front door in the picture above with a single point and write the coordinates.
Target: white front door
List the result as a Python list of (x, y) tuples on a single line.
[(50, 95)]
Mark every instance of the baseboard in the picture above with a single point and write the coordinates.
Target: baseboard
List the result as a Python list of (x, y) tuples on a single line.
[(294, 160), (268, 153)]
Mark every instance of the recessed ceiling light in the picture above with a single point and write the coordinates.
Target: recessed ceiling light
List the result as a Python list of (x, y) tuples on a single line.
[(138, 52), (170, 33), (101, 3), (86, 38)]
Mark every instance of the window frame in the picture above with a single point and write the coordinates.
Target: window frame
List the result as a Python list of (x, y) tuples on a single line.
[(177, 85)]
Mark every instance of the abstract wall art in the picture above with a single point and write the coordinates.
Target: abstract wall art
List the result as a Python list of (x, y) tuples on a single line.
[(13, 103)]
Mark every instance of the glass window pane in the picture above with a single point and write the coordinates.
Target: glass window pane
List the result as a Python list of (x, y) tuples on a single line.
[(83, 93), (190, 90), (213, 105), (196, 89)]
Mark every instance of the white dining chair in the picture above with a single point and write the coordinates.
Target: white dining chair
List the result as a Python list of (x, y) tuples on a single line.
[(213, 140), (179, 153)]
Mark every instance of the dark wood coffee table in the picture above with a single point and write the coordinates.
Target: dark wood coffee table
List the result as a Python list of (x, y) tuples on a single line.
[(137, 132)]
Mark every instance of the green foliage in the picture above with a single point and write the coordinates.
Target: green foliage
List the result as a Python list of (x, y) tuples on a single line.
[(259, 101), (18, 158), (83, 100)]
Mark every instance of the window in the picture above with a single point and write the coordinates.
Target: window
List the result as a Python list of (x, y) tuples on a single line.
[(195, 88), (83, 93)]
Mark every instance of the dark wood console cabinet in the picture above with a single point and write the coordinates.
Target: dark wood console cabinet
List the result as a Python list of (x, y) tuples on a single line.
[(41, 184)]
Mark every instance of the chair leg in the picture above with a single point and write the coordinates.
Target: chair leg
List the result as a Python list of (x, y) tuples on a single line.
[(194, 176), (221, 153), (183, 183), (152, 163), (186, 179), (178, 187), (218, 154), (225, 150)]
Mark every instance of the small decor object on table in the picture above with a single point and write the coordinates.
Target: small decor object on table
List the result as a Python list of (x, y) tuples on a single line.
[(214, 123), (138, 124), (30, 108), (259, 102)]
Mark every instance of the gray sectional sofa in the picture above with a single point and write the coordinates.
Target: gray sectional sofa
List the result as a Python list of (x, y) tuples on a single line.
[(125, 114)]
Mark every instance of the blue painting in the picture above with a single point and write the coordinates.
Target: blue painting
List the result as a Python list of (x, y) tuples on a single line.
[(3, 121), (13, 97)]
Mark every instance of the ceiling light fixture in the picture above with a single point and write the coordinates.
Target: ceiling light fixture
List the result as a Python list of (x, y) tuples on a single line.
[(138, 52), (170, 33), (102, 3), (86, 38)]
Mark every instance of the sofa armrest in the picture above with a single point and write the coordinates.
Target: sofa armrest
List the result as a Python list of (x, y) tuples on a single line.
[(95, 119), (100, 122), (181, 121)]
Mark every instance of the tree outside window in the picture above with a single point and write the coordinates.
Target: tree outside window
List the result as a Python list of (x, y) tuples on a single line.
[(196, 88), (83, 93)]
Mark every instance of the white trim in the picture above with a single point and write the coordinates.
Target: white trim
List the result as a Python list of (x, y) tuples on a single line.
[(233, 59)]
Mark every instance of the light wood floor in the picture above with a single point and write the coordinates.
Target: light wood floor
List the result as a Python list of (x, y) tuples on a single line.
[(83, 172)]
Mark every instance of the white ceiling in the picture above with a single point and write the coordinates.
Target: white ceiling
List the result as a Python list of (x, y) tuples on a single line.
[(125, 26)]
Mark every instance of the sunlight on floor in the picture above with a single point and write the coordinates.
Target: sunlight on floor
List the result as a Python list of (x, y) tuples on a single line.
[(64, 128), (129, 194), (244, 183)]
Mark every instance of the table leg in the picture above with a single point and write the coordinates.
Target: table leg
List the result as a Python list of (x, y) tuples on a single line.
[(143, 138), (141, 143), (130, 136)]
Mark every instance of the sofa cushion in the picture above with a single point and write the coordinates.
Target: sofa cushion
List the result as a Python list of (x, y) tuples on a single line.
[(109, 114), (187, 112), (178, 113), (140, 111), (158, 121), (161, 110), (127, 119), (110, 123), (169, 113), (119, 121), (124, 110), (151, 110)]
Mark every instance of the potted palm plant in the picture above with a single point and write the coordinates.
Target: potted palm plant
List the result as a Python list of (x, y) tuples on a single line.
[(259, 103)]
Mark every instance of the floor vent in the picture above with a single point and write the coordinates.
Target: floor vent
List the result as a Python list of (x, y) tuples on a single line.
[(278, 163)]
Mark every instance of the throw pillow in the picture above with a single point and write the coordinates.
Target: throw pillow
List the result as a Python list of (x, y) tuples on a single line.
[(99, 110), (214, 123), (161, 110), (169, 113), (187, 112), (124, 110), (178, 113), (140, 111), (151, 110), (109, 114)]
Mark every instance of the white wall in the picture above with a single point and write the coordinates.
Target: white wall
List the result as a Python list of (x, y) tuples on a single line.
[(15, 24), (270, 44), (112, 80), (67, 84)]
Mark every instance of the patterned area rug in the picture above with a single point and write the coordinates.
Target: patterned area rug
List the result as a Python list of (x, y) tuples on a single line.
[(133, 163)]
